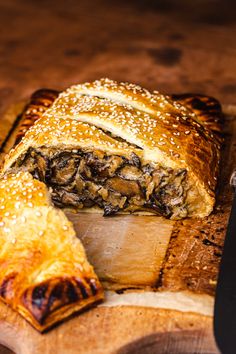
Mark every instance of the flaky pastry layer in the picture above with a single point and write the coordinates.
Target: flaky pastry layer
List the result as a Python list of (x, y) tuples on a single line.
[(44, 273)]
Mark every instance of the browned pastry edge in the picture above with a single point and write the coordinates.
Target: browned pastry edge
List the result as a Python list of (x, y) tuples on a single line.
[(51, 295), (52, 301), (39, 102), (49, 303), (207, 109)]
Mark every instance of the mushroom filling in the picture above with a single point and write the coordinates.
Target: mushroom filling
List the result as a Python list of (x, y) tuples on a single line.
[(83, 179)]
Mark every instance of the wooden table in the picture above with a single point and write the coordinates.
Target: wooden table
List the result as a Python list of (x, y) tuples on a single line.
[(165, 45)]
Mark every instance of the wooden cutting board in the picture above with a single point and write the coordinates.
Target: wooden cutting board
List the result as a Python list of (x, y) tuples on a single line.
[(163, 273)]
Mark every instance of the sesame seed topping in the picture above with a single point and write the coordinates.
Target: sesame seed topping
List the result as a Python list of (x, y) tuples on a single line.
[(6, 229), (23, 219)]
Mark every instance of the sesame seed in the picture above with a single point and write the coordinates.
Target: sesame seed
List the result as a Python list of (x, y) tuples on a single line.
[(6, 229)]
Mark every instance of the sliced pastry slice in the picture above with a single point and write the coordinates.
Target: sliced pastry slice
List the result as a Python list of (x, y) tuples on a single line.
[(44, 273), (119, 148)]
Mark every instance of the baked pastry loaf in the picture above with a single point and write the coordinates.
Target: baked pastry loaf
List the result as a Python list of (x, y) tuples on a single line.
[(120, 148), (44, 273)]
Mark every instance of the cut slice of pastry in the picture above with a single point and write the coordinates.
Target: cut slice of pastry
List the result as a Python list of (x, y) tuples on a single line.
[(44, 273), (120, 148)]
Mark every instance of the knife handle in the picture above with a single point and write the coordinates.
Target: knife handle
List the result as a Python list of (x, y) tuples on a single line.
[(225, 300)]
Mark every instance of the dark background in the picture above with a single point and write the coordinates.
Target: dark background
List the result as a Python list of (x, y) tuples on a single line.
[(171, 46)]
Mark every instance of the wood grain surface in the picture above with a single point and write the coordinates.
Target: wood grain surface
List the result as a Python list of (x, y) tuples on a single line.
[(165, 45)]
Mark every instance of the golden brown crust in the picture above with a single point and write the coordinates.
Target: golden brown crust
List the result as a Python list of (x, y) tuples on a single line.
[(67, 133), (167, 132), (207, 109), (44, 273), (164, 131), (39, 102)]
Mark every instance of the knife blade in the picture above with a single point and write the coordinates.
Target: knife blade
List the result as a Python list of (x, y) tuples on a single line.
[(225, 300)]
